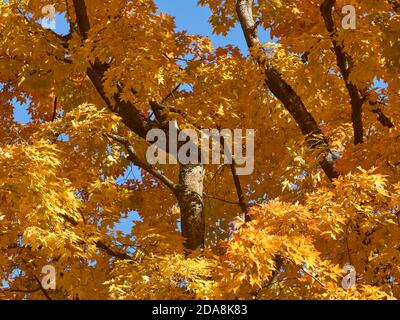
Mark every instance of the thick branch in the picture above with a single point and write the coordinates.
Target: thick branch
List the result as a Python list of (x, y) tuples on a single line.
[(134, 119), (345, 63), (285, 93), (382, 118), (190, 198), (82, 18), (190, 190)]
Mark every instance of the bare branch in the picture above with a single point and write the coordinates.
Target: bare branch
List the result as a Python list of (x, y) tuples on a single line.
[(44, 291), (171, 94)]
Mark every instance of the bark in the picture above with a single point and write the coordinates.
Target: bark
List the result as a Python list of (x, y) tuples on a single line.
[(344, 62), (189, 192), (190, 198), (133, 118), (240, 194), (382, 118), (285, 93)]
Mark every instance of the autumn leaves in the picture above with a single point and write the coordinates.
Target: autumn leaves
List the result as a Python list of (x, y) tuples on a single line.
[(201, 229)]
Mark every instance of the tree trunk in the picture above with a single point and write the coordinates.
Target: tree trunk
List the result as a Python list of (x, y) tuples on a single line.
[(190, 198), (190, 191)]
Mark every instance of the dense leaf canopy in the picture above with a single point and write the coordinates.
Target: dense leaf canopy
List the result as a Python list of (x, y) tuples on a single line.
[(323, 101)]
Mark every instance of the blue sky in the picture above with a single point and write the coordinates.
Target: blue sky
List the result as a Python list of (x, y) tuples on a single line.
[(194, 19)]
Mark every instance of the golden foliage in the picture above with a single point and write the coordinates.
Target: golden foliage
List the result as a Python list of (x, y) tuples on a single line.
[(66, 186)]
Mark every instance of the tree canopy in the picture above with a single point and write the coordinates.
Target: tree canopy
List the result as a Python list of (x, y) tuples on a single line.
[(323, 101)]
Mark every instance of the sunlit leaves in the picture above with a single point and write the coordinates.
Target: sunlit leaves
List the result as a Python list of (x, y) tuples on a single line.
[(66, 186)]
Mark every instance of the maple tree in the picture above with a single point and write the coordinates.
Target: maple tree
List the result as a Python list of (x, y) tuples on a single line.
[(325, 190)]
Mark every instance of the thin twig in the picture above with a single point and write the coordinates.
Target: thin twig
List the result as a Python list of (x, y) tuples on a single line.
[(53, 118), (171, 93), (219, 199), (42, 289)]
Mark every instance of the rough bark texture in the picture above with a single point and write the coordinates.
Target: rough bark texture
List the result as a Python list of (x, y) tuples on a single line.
[(190, 198), (285, 93)]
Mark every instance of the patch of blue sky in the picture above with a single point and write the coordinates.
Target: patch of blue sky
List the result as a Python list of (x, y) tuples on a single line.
[(131, 173), (63, 137), (4, 284), (21, 112), (59, 26), (194, 19), (125, 224)]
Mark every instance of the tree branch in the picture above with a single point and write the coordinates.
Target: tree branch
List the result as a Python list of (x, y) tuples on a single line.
[(219, 199), (171, 93), (53, 118), (189, 193), (382, 118), (82, 18), (344, 62), (42, 289), (134, 119), (100, 244), (284, 92), (144, 165), (111, 252), (21, 290), (239, 191)]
